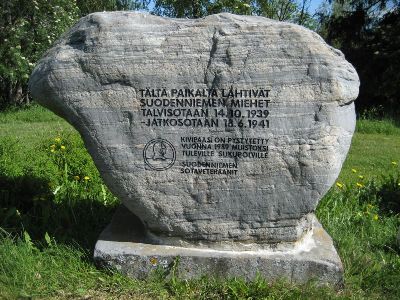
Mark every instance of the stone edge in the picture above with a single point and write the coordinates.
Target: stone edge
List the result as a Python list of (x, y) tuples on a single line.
[(314, 258)]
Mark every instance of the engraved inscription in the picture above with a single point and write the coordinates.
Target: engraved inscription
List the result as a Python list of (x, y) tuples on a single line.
[(219, 110)]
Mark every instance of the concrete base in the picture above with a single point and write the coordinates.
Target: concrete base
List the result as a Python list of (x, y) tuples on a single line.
[(122, 245)]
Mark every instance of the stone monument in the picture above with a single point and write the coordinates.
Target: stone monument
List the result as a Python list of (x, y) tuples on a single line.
[(219, 135)]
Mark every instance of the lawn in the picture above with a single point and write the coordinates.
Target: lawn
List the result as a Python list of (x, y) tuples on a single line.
[(53, 205)]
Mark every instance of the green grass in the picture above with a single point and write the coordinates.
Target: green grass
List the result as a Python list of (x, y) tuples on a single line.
[(53, 205), (370, 155), (384, 126), (52, 270), (32, 114)]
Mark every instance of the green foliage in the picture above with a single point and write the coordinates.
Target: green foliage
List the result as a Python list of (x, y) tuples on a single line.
[(380, 77), (357, 217), (89, 6), (199, 8), (283, 10), (28, 28), (368, 31)]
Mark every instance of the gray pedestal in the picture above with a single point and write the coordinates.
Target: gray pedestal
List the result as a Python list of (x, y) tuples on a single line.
[(121, 245)]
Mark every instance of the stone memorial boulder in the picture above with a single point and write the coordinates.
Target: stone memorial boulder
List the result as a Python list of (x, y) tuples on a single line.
[(219, 135)]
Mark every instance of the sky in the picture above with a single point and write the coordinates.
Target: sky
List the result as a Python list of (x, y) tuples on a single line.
[(314, 5)]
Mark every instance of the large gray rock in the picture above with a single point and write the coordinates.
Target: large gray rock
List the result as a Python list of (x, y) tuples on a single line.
[(256, 168)]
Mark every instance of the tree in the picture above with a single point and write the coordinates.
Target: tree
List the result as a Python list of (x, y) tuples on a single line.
[(89, 6), (282, 10), (368, 33), (27, 29)]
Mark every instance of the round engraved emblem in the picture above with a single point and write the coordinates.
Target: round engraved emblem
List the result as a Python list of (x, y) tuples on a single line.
[(159, 154)]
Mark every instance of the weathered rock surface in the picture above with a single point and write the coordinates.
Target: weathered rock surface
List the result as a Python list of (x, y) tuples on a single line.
[(274, 161)]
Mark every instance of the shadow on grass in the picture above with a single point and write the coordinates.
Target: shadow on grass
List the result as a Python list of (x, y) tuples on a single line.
[(389, 195), (28, 204), (389, 204), (383, 198)]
